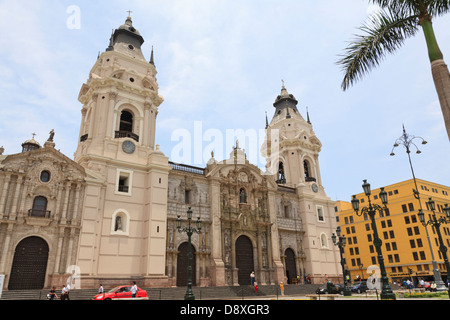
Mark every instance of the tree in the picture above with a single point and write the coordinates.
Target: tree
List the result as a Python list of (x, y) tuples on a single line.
[(385, 32)]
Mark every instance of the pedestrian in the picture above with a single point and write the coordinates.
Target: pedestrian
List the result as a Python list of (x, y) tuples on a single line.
[(52, 294), (256, 287), (421, 283), (134, 290), (100, 289), (67, 291), (282, 288), (252, 278), (63, 293)]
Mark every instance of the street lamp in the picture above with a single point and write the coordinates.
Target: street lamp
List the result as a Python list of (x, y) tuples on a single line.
[(386, 291), (341, 241), (189, 230), (436, 223), (360, 266), (407, 141)]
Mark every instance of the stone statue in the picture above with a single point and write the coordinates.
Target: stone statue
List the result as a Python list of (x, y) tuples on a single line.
[(52, 134)]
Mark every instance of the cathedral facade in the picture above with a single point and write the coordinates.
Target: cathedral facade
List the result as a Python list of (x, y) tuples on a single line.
[(112, 214)]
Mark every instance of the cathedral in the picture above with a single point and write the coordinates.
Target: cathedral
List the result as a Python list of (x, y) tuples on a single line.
[(112, 214)]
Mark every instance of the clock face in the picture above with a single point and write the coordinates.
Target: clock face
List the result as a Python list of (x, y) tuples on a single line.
[(128, 147), (314, 187)]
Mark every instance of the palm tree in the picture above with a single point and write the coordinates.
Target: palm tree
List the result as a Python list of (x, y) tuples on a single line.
[(386, 30)]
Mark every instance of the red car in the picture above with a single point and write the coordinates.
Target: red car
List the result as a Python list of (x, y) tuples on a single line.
[(121, 292)]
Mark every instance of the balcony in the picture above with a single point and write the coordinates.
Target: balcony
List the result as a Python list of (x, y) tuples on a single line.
[(39, 213), (38, 218), (127, 134)]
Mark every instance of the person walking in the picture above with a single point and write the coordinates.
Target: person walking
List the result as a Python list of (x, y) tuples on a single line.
[(134, 290), (63, 293), (252, 278), (67, 291)]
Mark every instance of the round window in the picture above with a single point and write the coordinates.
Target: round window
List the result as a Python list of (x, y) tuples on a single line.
[(45, 176)]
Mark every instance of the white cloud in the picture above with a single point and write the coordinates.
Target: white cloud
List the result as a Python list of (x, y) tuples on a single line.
[(221, 62)]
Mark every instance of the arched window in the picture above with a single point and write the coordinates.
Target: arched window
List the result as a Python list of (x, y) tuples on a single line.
[(308, 171), (242, 196), (39, 208), (281, 177), (306, 168), (323, 240), (126, 126), (126, 121)]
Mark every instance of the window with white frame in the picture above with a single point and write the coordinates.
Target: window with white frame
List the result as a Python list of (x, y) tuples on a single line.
[(124, 181), (320, 213)]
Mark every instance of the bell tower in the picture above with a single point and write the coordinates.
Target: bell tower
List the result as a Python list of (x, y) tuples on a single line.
[(125, 207), (291, 147), (120, 101), (292, 152)]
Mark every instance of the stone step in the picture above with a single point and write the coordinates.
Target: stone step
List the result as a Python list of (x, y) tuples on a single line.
[(176, 293)]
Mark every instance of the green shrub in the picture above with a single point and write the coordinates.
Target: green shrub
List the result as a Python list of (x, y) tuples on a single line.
[(426, 294)]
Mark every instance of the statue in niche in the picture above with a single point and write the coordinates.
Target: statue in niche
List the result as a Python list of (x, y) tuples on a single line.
[(263, 240), (118, 225), (242, 196)]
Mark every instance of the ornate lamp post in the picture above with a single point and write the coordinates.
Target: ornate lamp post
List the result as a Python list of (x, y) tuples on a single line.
[(360, 266), (341, 241), (407, 141), (436, 223), (386, 291), (189, 230)]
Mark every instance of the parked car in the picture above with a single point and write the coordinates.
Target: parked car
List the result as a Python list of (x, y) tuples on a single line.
[(121, 292), (335, 289), (359, 287)]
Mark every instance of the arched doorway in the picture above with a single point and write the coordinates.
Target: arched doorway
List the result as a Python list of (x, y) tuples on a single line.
[(182, 265), (244, 260), (291, 269), (29, 265)]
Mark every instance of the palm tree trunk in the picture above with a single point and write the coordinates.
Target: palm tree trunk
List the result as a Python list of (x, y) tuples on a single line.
[(439, 70), (441, 77)]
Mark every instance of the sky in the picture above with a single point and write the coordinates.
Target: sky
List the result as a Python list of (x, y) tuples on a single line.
[(220, 68)]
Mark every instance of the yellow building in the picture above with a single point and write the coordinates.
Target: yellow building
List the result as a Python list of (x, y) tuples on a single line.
[(405, 241)]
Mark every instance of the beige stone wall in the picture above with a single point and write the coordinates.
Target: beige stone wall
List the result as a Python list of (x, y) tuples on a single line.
[(20, 184)]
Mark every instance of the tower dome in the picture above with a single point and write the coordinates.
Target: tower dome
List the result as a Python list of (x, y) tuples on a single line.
[(285, 106), (30, 145), (126, 39)]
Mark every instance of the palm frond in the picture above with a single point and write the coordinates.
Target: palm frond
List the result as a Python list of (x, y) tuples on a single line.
[(384, 32), (437, 7), (396, 5)]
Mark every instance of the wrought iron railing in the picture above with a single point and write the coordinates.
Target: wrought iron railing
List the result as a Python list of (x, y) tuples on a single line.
[(127, 134), (39, 213), (186, 168)]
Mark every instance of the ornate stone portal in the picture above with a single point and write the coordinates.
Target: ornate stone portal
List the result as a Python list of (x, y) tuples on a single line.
[(244, 213)]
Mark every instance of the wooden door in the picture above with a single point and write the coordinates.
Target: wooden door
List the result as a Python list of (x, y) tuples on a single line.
[(244, 260)]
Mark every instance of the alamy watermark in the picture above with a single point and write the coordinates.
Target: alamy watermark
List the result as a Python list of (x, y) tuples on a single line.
[(198, 146), (73, 22)]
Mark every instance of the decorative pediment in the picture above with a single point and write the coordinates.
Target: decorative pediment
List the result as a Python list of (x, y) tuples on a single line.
[(118, 74), (149, 84), (32, 163)]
